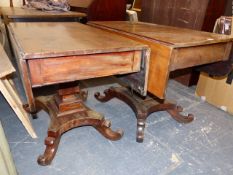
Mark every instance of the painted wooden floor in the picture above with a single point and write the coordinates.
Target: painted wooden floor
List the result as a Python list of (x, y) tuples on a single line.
[(204, 146)]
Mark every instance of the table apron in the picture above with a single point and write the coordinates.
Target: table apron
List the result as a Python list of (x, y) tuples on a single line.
[(199, 55), (45, 71)]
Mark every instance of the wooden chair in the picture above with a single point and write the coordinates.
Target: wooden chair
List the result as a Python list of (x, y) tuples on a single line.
[(7, 166), (9, 92)]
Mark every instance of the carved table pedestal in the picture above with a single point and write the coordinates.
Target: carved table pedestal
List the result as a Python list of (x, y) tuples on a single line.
[(67, 110), (143, 107)]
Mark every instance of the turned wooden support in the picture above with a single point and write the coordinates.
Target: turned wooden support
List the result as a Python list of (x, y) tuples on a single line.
[(68, 101)]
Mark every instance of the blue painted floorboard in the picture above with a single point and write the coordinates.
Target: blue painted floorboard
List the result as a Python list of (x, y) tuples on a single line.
[(204, 146)]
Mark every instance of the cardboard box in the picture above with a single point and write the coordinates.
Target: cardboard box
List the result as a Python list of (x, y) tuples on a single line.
[(216, 92)]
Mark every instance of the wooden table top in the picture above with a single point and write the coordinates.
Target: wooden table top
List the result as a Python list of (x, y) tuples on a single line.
[(173, 36), (39, 40), (18, 12)]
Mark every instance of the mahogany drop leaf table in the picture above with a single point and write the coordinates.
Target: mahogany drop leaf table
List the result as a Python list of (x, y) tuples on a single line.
[(172, 48), (61, 53)]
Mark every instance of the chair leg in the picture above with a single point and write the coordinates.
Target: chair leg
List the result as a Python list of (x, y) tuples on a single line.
[(14, 101)]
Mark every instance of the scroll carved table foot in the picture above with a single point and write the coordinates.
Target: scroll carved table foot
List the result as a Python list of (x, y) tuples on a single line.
[(143, 107), (67, 111), (50, 151)]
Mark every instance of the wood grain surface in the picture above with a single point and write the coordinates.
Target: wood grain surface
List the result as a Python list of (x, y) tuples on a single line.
[(172, 48), (6, 67), (40, 40), (78, 3), (52, 53), (172, 36), (73, 68), (199, 55), (101, 10), (18, 12), (179, 13), (8, 90)]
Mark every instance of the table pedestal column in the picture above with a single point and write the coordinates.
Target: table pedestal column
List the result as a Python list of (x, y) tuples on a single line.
[(67, 111), (143, 107)]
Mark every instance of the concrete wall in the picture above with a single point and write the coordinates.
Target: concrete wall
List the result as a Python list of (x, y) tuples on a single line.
[(6, 3)]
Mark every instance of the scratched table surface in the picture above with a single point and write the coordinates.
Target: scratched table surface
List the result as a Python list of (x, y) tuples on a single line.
[(172, 36), (40, 40)]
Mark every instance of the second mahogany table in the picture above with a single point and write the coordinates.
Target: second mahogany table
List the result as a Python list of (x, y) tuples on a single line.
[(18, 14), (171, 49), (52, 53)]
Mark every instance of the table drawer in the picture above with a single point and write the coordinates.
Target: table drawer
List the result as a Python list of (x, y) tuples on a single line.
[(199, 55), (64, 69)]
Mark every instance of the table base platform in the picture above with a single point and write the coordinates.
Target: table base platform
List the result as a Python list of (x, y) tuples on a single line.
[(143, 107), (67, 111)]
